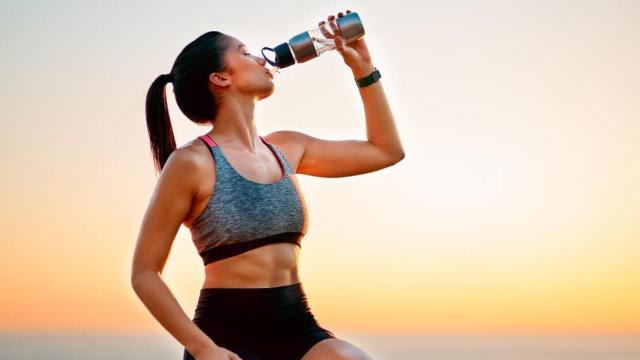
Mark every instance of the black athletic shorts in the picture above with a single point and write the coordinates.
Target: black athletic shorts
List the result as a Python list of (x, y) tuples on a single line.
[(259, 323)]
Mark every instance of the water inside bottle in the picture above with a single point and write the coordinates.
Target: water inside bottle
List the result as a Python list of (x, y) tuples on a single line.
[(320, 40), (325, 42)]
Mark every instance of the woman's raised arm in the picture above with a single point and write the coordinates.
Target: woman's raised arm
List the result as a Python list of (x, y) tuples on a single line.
[(338, 158)]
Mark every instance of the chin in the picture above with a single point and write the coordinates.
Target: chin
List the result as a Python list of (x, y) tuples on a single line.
[(265, 94)]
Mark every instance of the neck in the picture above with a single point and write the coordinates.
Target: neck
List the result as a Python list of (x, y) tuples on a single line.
[(235, 127)]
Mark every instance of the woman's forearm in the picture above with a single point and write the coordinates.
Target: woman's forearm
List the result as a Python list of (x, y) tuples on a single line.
[(157, 297), (381, 127)]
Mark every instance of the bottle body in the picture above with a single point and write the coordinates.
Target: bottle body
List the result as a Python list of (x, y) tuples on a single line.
[(320, 42), (312, 43)]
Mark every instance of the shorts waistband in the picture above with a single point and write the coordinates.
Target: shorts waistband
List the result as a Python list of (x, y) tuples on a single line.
[(289, 291)]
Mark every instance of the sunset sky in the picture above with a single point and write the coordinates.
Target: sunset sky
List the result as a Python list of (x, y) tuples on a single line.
[(516, 208)]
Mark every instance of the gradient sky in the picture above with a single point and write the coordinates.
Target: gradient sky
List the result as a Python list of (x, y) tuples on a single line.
[(517, 207)]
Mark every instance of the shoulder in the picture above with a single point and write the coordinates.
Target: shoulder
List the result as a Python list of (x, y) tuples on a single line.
[(283, 137), (187, 164), (291, 143), (190, 155)]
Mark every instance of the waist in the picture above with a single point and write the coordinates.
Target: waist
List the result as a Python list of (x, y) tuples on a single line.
[(263, 267), (248, 309)]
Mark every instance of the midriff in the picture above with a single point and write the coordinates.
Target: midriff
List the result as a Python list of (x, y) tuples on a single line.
[(267, 266)]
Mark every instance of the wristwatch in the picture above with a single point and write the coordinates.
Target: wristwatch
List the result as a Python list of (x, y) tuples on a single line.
[(369, 79)]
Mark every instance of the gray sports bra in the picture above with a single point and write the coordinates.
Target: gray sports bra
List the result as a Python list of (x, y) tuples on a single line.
[(242, 214)]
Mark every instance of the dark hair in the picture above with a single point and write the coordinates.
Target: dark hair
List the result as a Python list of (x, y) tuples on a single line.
[(190, 77)]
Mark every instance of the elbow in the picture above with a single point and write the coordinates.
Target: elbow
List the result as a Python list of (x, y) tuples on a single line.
[(135, 280), (393, 159), (141, 277), (397, 157)]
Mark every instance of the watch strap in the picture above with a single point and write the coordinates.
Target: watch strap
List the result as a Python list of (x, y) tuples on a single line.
[(369, 79)]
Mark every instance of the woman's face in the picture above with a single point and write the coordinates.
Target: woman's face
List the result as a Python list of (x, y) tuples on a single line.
[(246, 73)]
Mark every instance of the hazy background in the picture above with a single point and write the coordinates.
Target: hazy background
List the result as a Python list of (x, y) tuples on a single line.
[(515, 210)]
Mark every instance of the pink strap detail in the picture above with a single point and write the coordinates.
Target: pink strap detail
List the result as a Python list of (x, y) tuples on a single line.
[(284, 169), (208, 140)]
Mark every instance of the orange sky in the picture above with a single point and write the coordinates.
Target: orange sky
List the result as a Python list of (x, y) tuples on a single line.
[(517, 207)]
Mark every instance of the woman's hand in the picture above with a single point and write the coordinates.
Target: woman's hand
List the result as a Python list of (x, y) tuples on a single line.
[(355, 54), (217, 353)]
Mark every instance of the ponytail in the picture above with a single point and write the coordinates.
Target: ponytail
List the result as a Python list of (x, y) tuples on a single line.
[(158, 122), (190, 78)]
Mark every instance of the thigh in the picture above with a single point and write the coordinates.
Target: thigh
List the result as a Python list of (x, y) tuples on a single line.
[(336, 349)]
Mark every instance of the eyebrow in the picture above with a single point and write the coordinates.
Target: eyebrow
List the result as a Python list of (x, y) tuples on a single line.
[(240, 46)]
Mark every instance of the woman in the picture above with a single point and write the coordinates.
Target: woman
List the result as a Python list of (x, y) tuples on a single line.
[(238, 193)]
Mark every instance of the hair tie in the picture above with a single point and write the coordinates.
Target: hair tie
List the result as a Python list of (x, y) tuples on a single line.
[(167, 77)]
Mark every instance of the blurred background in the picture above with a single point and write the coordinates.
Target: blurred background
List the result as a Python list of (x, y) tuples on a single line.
[(510, 230)]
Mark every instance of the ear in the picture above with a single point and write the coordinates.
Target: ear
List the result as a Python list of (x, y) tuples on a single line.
[(221, 79)]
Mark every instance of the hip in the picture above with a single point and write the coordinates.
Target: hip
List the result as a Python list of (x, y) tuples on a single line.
[(274, 322)]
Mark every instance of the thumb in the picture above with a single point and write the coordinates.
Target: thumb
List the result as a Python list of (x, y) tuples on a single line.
[(339, 43)]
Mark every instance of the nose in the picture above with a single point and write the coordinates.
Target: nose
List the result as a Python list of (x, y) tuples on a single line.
[(260, 60)]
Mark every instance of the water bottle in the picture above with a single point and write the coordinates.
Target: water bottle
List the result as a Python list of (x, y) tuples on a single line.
[(311, 43)]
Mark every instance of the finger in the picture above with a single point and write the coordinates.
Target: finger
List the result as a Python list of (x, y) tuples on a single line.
[(330, 19), (323, 30), (334, 26)]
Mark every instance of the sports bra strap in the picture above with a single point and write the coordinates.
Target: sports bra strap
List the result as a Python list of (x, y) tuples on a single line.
[(263, 139), (206, 138)]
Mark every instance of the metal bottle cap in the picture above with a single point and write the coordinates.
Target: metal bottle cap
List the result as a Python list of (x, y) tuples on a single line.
[(350, 26), (283, 54)]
